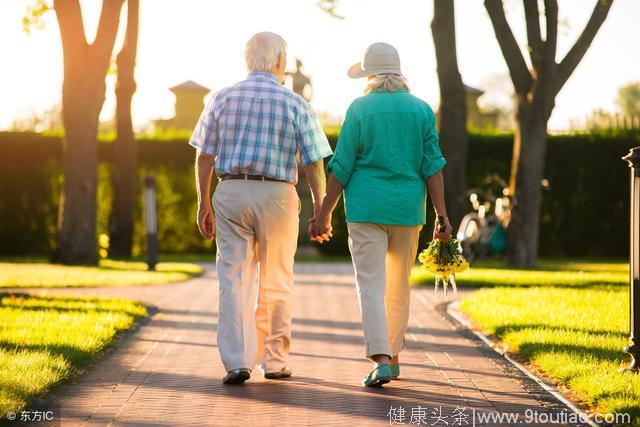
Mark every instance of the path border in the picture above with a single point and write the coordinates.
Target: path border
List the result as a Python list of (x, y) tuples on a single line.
[(532, 383), (119, 340)]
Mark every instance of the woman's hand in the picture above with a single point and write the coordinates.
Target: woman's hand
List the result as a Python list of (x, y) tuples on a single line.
[(320, 229), (442, 229)]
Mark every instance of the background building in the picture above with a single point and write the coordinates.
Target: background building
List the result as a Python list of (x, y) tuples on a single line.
[(189, 104)]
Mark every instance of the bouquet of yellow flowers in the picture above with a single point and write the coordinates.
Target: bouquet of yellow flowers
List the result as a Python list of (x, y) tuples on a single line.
[(444, 260)]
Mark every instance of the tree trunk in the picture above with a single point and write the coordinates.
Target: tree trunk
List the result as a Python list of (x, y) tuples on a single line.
[(453, 110), (125, 150), (527, 170), (536, 88), (82, 99), (83, 90)]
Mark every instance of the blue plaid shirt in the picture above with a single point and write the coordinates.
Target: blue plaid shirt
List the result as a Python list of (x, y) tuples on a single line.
[(258, 127)]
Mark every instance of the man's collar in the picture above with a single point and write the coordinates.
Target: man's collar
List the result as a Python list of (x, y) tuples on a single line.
[(257, 74)]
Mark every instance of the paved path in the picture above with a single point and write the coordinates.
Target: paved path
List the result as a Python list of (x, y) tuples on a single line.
[(169, 371)]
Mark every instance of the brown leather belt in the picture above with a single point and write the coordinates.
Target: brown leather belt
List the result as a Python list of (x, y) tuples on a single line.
[(244, 176)]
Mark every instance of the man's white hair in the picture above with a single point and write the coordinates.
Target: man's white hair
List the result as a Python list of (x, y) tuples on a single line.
[(263, 51)]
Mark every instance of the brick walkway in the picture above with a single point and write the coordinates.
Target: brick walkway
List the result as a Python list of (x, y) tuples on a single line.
[(169, 371)]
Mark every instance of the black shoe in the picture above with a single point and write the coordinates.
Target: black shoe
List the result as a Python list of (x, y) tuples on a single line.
[(282, 373), (237, 376)]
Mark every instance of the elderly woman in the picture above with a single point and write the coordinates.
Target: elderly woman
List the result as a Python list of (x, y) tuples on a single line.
[(386, 152)]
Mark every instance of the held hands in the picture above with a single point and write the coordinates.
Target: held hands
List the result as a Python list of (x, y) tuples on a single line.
[(206, 221), (442, 229), (320, 229)]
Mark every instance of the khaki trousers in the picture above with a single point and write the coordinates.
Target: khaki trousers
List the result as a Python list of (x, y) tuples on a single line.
[(256, 238), (383, 256)]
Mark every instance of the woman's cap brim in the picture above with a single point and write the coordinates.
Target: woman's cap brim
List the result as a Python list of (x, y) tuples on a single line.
[(356, 71)]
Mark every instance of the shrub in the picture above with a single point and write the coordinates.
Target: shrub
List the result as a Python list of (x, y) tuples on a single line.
[(585, 212), (31, 179)]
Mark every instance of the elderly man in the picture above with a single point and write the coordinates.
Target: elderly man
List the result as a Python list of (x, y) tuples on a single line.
[(251, 134)]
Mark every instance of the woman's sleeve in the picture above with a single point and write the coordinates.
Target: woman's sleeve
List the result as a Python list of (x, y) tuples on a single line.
[(432, 160), (343, 161)]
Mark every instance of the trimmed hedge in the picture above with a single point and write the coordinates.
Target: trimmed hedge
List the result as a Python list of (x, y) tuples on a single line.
[(584, 213), (30, 183)]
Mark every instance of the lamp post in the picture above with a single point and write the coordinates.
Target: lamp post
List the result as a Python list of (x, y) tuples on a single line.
[(150, 221), (633, 349)]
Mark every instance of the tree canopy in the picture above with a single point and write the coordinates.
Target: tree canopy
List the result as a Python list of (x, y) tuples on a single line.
[(629, 99)]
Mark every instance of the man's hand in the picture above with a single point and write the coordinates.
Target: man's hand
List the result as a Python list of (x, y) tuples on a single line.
[(444, 235), (320, 229), (204, 172), (206, 221)]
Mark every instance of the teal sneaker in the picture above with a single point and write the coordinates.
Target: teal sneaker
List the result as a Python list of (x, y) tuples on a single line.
[(380, 375), (395, 371)]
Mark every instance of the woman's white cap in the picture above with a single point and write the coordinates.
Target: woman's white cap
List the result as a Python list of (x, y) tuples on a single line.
[(379, 58)]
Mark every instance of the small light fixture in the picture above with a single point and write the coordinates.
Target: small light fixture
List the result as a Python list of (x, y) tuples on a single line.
[(151, 224)]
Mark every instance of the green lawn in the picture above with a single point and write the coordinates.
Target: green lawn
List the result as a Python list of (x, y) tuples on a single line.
[(43, 340), (38, 273), (550, 272), (569, 321)]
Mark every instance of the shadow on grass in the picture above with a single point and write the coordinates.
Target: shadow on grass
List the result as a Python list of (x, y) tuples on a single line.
[(592, 352), (593, 356), (582, 355), (107, 267), (597, 285), (128, 269), (49, 304), (562, 273), (30, 343), (501, 331), (557, 264), (72, 355)]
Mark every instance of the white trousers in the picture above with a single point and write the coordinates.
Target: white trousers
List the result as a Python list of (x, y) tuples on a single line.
[(383, 256), (256, 238)]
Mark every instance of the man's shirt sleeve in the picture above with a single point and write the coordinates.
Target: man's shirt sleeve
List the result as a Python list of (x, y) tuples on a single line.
[(311, 140), (205, 134)]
